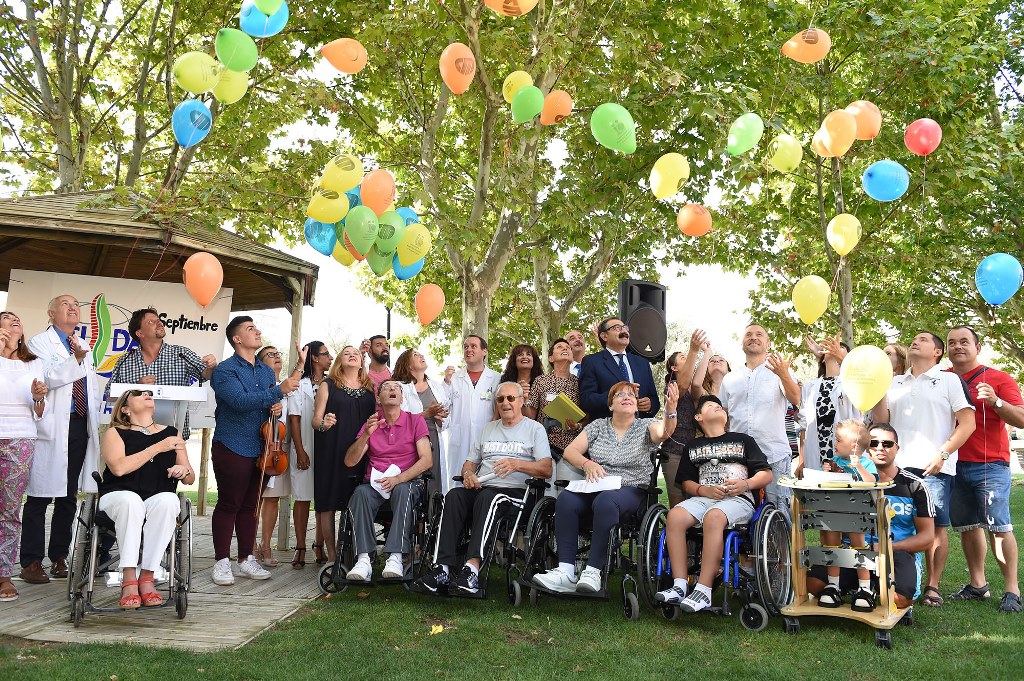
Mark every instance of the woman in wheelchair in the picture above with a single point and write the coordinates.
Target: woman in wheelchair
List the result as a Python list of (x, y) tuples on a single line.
[(621, 446), (145, 461), (719, 471)]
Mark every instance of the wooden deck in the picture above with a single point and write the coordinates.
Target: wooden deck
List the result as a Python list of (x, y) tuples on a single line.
[(219, 617)]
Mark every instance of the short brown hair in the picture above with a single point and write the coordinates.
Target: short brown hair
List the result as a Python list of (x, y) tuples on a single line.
[(22, 353), (135, 323), (857, 430), (621, 385)]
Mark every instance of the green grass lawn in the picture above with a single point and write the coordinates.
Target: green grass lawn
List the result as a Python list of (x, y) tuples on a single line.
[(386, 634)]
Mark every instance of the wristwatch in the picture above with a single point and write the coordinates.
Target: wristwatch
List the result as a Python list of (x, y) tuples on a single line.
[(999, 403), (944, 454)]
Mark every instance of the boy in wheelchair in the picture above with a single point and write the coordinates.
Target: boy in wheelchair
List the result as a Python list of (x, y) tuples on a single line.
[(720, 472)]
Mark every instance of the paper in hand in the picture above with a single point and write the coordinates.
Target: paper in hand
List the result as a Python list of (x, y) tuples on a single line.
[(376, 475)]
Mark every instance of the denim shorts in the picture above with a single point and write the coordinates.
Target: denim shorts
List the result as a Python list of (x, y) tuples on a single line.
[(940, 489), (981, 497), (737, 510)]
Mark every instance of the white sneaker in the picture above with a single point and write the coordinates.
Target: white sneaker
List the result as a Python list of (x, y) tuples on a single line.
[(222, 575), (673, 595), (557, 580), (361, 571), (394, 568), (590, 580), (251, 568), (696, 601)]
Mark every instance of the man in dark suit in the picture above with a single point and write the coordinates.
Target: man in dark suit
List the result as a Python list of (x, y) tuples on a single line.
[(601, 370)]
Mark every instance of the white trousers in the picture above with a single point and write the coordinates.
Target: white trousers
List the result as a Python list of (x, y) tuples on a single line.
[(156, 517)]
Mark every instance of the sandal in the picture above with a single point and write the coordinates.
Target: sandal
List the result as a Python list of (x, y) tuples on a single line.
[(265, 556), (299, 561), (151, 599), (131, 601), (969, 592), (318, 553), (830, 597), (863, 601), (932, 598), (7, 591)]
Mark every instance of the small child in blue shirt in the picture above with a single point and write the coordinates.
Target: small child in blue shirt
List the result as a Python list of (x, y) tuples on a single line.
[(851, 445)]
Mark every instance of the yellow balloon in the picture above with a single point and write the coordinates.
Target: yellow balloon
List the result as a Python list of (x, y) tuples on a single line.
[(414, 244), (231, 87), (669, 174), (785, 153), (810, 296), (342, 255), (866, 375), (843, 233), (514, 82), (342, 173), (196, 72), (327, 206)]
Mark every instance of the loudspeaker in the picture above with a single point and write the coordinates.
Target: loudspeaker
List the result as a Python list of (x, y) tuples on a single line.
[(642, 307)]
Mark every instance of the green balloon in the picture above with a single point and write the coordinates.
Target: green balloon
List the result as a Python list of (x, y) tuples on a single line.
[(527, 104), (390, 230), (745, 133), (613, 127), (236, 50), (379, 262), (361, 228), (268, 7)]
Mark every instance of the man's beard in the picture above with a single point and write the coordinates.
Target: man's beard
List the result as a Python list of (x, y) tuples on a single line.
[(384, 359)]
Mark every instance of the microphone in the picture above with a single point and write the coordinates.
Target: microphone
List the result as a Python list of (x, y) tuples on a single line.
[(200, 366)]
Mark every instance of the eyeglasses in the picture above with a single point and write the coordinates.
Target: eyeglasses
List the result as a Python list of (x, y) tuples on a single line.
[(616, 327), (506, 398), (619, 395), (140, 393), (888, 444), (325, 353), (271, 355)]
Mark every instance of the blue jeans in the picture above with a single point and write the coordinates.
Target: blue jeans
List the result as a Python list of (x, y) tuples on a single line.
[(940, 489), (981, 497)]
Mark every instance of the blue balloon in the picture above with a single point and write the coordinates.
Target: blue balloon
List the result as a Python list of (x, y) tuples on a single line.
[(320, 236), (886, 180), (409, 215), (353, 198), (402, 273), (191, 122), (257, 24), (999, 276)]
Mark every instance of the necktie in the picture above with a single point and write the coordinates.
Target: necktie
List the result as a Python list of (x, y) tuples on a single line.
[(79, 401), (623, 373)]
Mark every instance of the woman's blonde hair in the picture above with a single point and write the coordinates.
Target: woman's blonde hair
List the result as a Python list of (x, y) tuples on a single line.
[(118, 418), (336, 376)]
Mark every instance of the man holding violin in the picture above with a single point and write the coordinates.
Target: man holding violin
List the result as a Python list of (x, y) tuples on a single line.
[(247, 393)]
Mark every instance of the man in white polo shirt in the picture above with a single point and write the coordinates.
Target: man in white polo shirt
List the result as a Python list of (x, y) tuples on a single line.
[(756, 396), (932, 411)]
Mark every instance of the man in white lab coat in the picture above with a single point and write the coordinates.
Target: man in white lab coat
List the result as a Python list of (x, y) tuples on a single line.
[(67, 451), (472, 389)]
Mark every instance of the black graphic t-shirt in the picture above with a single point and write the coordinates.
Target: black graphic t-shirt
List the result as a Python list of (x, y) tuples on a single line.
[(711, 461)]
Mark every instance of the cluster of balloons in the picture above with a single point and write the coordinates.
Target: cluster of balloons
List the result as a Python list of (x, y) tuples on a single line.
[(352, 217), (998, 278), (528, 101), (226, 77), (203, 275)]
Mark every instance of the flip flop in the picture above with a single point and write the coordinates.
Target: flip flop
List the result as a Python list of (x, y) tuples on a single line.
[(7, 591)]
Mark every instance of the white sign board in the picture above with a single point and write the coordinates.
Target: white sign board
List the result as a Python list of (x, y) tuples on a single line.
[(107, 305)]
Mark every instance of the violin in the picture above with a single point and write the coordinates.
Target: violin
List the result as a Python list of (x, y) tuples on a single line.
[(274, 459)]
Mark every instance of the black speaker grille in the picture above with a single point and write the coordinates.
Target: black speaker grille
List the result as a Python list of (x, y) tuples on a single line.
[(647, 332)]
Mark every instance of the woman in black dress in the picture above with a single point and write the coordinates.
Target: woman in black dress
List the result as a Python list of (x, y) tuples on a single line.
[(343, 403)]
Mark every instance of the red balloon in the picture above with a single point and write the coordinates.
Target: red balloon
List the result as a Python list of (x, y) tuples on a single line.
[(923, 136)]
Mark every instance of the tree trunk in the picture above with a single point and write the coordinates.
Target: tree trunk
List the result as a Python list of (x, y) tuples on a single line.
[(845, 276)]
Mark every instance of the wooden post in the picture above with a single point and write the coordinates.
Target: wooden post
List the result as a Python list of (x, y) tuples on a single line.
[(284, 510), (204, 475)]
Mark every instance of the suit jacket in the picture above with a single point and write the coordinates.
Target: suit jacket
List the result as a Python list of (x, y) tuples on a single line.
[(599, 372)]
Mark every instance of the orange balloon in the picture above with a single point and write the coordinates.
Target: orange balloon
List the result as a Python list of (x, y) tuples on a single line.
[(203, 276), (511, 8), (694, 219), (869, 119), (429, 303), (352, 249), (458, 66), (818, 144), (808, 47), (557, 107), (839, 132), (345, 54), (377, 191)]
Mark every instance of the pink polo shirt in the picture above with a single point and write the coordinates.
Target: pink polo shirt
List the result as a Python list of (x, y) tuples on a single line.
[(396, 444)]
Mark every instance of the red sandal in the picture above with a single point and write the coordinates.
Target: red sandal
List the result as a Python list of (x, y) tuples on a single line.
[(151, 599), (131, 601)]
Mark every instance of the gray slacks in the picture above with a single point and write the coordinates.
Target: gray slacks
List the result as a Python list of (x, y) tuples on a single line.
[(365, 503)]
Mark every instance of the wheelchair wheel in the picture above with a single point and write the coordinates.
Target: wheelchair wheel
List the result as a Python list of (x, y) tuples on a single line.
[(773, 562), (183, 546), (541, 554), (515, 594), (753, 617), (181, 603), (77, 610), (630, 606), (670, 612), (654, 573), (81, 545)]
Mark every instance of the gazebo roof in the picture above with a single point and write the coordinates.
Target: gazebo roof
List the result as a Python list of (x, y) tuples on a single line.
[(60, 233)]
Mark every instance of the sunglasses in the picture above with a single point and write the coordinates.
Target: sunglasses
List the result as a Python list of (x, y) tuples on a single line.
[(503, 398), (140, 393), (888, 444)]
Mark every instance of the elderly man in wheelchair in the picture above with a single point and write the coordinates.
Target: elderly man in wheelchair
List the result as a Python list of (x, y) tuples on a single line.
[(721, 472)]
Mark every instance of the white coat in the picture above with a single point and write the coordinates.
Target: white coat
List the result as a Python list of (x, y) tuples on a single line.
[(472, 407), (49, 475), (411, 403)]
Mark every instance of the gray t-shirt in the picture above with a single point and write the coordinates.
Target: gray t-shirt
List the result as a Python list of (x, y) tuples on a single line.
[(630, 457), (526, 440)]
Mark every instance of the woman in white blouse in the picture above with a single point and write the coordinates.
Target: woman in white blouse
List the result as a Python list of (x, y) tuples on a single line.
[(430, 397)]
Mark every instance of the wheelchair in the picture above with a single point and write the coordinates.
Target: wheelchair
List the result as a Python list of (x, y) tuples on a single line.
[(502, 544), (625, 548), (93, 529), (332, 577), (761, 592)]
